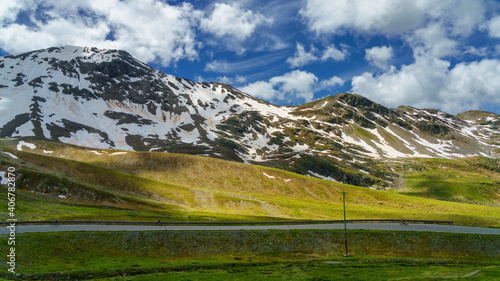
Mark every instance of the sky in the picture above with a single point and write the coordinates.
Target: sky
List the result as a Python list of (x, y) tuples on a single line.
[(422, 53)]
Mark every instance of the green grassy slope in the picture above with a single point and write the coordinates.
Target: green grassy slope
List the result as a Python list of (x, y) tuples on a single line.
[(472, 180), (140, 185)]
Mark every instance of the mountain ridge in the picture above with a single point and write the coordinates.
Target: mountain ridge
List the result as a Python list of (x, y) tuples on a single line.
[(108, 99)]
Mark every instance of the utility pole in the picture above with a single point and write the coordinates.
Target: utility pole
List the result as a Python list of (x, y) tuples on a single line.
[(345, 226)]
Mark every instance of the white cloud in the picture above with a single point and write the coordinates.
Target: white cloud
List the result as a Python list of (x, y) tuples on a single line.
[(293, 85), (391, 16), (233, 21), (429, 26), (301, 57), (379, 56), (429, 83), (297, 83), (332, 82), (336, 16), (223, 66), (460, 16), (240, 79), (198, 78), (332, 52), (232, 80), (480, 52), (433, 40), (9, 10), (471, 85), (261, 89), (494, 27), (17, 38), (133, 24)]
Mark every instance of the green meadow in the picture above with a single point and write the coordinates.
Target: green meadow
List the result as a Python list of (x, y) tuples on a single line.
[(103, 184), (470, 180)]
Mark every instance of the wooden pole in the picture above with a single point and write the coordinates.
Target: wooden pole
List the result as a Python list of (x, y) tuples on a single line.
[(345, 226)]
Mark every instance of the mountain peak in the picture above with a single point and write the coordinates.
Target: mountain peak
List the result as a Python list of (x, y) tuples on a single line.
[(69, 53), (477, 115), (108, 99)]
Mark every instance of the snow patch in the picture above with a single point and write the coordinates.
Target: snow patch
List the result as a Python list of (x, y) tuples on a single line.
[(10, 154), (23, 143), (271, 177), (118, 153), (47, 151), (62, 196), (323, 177)]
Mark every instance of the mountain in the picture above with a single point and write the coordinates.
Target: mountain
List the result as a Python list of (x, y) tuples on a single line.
[(108, 99)]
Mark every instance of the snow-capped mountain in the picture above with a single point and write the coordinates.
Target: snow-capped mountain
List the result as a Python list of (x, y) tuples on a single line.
[(108, 99)]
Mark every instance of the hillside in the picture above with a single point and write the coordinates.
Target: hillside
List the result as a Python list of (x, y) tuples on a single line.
[(71, 182), (107, 99), (470, 180)]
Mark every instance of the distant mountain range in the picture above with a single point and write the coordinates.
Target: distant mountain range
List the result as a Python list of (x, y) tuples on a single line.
[(108, 99)]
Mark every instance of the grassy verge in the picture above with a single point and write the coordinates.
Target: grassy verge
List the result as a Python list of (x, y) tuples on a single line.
[(79, 255), (333, 269)]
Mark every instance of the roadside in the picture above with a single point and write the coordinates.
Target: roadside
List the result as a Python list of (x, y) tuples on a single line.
[(357, 226)]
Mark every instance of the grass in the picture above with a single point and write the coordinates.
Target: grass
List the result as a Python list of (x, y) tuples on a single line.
[(473, 180), (300, 254), (167, 186), (333, 270)]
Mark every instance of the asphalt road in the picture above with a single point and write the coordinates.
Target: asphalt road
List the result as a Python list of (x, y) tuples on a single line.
[(367, 226)]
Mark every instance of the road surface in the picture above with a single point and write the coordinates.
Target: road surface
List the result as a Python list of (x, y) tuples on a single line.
[(367, 226)]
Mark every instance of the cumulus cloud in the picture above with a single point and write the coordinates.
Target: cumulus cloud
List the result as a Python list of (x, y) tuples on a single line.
[(152, 30), (433, 40), (262, 89), (472, 85), (331, 52), (330, 83), (434, 30), (480, 52), (379, 56), (391, 16), (366, 15), (494, 27), (9, 11), (232, 21), (429, 83), (433, 27), (232, 80), (293, 85), (302, 57), (129, 25), (461, 17)]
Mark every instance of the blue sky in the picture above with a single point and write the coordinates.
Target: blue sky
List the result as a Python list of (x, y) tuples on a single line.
[(423, 53)]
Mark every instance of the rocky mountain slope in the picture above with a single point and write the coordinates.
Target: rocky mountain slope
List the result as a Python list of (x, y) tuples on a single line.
[(108, 99)]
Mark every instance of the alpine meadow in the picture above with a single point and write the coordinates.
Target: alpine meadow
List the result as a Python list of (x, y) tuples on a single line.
[(250, 140)]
